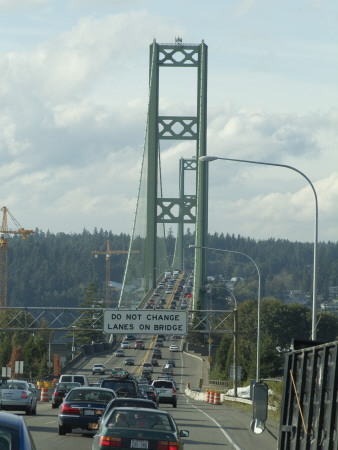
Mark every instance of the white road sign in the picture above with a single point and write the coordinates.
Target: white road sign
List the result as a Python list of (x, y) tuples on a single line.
[(145, 321)]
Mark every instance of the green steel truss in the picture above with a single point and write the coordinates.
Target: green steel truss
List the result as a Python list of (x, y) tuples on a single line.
[(185, 208)]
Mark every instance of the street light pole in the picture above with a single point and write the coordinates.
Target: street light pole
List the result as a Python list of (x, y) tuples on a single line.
[(258, 368), (315, 243)]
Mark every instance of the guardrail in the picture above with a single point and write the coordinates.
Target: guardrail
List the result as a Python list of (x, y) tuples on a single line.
[(225, 383)]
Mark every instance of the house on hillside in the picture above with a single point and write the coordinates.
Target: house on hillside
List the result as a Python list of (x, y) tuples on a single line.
[(231, 284), (297, 297)]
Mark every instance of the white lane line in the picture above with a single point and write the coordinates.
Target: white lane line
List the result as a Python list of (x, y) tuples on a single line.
[(235, 446)]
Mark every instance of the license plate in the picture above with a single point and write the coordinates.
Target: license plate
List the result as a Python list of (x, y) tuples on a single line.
[(88, 412), (134, 443)]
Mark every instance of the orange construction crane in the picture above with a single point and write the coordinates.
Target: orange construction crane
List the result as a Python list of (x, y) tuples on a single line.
[(108, 254), (4, 250)]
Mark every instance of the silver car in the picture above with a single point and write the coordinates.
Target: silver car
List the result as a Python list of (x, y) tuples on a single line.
[(18, 395)]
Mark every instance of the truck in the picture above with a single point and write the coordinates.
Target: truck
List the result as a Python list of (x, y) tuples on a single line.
[(309, 409)]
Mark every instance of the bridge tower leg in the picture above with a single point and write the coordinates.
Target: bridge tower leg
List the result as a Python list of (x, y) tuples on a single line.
[(184, 209)]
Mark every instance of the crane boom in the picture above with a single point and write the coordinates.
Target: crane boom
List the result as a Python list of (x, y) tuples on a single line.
[(4, 250), (108, 254)]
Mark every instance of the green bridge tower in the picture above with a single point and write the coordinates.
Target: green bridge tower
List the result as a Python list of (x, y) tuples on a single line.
[(183, 209)]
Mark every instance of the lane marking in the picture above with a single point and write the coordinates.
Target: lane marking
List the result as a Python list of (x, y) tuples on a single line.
[(228, 437)]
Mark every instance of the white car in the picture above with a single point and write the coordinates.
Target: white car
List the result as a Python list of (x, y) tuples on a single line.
[(98, 368), (147, 367), (174, 348), (125, 344)]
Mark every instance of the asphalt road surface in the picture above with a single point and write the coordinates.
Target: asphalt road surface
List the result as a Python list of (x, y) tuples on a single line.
[(210, 426)]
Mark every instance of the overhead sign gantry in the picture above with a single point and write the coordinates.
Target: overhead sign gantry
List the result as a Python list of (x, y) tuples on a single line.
[(145, 321)]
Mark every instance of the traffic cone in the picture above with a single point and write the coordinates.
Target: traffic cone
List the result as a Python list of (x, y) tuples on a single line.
[(217, 398), (44, 395)]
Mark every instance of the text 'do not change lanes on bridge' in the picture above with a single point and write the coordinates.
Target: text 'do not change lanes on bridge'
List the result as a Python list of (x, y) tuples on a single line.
[(145, 321)]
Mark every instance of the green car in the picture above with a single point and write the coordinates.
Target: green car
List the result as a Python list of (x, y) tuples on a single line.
[(127, 428)]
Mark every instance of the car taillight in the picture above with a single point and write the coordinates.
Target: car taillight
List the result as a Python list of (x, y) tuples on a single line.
[(67, 409), (174, 391), (109, 441), (167, 445), (24, 395)]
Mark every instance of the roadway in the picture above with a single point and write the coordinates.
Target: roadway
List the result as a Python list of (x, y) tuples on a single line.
[(210, 426)]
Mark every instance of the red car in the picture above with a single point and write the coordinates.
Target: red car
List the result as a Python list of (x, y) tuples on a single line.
[(154, 362), (139, 344)]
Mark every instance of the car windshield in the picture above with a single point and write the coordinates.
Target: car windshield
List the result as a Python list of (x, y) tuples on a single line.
[(67, 386), (163, 384), (141, 419), (17, 386), (125, 388), (88, 395)]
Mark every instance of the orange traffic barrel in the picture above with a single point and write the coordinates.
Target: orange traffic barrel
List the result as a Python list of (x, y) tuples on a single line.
[(207, 398), (211, 398), (44, 395), (217, 398)]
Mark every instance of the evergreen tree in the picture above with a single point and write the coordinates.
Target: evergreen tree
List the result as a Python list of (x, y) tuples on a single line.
[(88, 334)]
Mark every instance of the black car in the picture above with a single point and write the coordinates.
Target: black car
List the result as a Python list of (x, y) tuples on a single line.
[(60, 392), (127, 402), (123, 384), (82, 408), (150, 393), (157, 354), (172, 362), (159, 342)]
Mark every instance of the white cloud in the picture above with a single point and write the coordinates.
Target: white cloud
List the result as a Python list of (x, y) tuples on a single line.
[(74, 107)]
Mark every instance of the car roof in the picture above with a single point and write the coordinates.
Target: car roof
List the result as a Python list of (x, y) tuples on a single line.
[(146, 410), (10, 419), (91, 388)]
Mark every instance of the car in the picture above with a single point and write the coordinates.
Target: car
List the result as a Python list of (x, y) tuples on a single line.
[(17, 395), (167, 291), (172, 362), (125, 344), (166, 390), (119, 353), (77, 378), (127, 402), (159, 343), (130, 337), (154, 362), (98, 368), (167, 369), (157, 354), (147, 367), (174, 348), (123, 384), (149, 392), (139, 428), (60, 392), (129, 361), (14, 433), (139, 344), (82, 408)]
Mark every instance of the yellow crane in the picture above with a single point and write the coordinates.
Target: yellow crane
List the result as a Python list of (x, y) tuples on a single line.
[(108, 254), (4, 250)]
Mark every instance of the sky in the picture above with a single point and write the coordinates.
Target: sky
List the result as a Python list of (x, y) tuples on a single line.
[(74, 97)]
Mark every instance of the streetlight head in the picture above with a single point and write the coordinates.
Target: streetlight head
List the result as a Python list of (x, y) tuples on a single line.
[(192, 246), (207, 158)]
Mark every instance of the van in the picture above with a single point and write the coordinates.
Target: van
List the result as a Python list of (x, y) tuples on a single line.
[(82, 379)]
